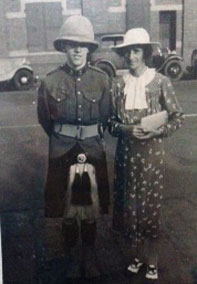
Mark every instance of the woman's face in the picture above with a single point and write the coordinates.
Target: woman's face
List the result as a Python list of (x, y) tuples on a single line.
[(135, 58)]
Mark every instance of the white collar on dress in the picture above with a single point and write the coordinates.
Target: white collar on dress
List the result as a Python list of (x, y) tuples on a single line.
[(134, 90)]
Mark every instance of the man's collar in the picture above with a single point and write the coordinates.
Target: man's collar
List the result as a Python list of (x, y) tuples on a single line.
[(73, 72)]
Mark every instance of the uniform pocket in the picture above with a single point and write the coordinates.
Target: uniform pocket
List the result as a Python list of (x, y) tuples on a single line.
[(61, 94), (93, 100), (58, 103)]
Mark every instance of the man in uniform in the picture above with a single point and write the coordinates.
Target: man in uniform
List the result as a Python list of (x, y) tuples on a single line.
[(73, 109)]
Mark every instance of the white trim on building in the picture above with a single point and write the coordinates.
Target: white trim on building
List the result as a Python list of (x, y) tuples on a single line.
[(178, 44), (118, 9), (65, 11), (15, 15), (68, 12), (19, 53), (167, 7)]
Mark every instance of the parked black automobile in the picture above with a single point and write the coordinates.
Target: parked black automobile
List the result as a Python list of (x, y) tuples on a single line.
[(168, 63), (15, 74), (165, 61)]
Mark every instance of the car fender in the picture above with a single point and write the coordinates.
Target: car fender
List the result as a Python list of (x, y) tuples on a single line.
[(107, 62), (8, 76), (173, 57), (170, 58)]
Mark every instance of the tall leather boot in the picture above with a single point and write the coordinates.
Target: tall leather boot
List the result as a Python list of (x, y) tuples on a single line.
[(90, 267)]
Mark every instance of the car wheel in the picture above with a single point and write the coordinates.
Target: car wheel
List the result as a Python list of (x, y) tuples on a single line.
[(23, 79), (174, 70), (106, 68)]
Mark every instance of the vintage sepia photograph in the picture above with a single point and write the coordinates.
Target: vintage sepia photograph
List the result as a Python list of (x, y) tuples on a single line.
[(98, 151)]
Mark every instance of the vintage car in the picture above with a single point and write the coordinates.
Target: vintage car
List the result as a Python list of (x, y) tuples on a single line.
[(165, 61), (107, 59), (15, 74), (168, 63)]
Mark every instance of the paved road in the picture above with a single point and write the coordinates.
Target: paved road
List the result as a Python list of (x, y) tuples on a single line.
[(178, 247)]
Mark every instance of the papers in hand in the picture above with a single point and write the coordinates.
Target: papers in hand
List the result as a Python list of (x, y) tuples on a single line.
[(154, 121)]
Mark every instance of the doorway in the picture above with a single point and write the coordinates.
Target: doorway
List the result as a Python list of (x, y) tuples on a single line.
[(167, 29)]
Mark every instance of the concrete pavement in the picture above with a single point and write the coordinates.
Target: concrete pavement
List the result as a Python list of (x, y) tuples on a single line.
[(178, 246)]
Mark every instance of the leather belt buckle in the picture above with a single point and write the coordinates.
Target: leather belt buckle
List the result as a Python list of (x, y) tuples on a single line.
[(58, 128), (79, 132)]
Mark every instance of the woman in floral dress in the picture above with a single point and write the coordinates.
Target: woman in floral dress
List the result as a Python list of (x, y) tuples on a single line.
[(139, 161)]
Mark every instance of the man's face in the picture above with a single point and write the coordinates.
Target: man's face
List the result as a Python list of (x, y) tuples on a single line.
[(76, 54)]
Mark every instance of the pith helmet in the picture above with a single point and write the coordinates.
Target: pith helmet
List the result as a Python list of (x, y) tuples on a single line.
[(137, 36), (77, 29)]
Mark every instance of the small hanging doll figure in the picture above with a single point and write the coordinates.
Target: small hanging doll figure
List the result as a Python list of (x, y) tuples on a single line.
[(81, 211)]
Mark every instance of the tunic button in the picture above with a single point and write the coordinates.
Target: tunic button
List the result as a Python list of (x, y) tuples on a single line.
[(78, 79), (79, 106), (94, 100), (58, 99), (79, 118), (79, 93)]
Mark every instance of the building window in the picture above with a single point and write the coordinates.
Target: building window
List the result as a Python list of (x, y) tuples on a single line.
[(167, 29), (43, 22), (114, 3), (13, 6), (73, 4)]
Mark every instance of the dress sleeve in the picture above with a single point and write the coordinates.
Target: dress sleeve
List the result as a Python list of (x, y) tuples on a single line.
[(115, 126), (43, 109), (170, 103)]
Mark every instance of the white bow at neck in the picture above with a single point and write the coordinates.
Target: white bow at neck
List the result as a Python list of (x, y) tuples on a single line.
[(134, 90)]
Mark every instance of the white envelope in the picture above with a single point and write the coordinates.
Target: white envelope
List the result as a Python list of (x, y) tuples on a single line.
[(154, 121)]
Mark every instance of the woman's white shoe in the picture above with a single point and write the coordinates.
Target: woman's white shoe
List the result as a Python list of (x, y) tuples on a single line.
[(152, 272), (135, 266)]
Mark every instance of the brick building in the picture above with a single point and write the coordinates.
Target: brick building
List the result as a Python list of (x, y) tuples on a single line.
[(28, 27)]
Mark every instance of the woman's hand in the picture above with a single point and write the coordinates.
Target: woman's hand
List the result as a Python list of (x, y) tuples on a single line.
[(134, 131), (151, 133), (137, 132), (143, 134)]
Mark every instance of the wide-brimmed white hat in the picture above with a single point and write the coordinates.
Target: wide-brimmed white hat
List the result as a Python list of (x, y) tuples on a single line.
[(137, 36)]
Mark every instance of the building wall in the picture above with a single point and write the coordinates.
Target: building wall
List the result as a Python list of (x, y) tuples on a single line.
[(3, 31), (138, 14), (107, 16), (190, 29), (168, 2), (32, 25), (16, 35), (22, 38), (156, 6)]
